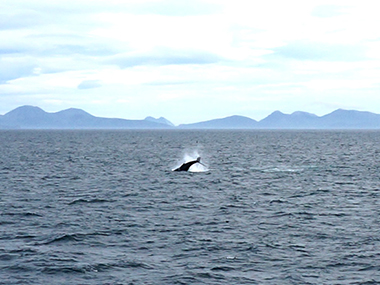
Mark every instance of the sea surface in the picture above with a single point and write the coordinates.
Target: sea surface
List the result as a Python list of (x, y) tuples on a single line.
[(271, 207)]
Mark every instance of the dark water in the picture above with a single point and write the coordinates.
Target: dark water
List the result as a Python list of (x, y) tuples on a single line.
[(101, 207)]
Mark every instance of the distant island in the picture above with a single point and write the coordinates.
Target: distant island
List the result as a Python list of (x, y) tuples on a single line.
[(339, 119), (30, 117)]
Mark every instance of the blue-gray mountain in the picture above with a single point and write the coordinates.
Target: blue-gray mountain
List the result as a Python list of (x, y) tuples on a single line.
[(28, 117), (339, 119), (160, 120), (232, 122)]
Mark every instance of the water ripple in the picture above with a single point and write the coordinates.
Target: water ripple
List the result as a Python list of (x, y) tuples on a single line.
[(103, 207)]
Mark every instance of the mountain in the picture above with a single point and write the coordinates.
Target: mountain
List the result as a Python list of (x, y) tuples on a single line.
[(29, 117), (339, 119), (232, 122), (350, 119), (296, 120), (25, 116), (160, 120)]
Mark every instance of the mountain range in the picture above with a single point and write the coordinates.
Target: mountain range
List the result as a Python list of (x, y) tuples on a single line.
[(29, 117), (338, 119)]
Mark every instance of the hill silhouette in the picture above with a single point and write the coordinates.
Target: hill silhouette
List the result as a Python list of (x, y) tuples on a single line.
[(339, 119), (30, 117)]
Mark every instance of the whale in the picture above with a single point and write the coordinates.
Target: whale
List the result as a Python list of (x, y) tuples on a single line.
[(186, 166)]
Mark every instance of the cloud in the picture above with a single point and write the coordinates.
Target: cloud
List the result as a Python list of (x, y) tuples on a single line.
[(175, 8), (244, 55), (84, 49), (11, 69), (327, 11), (164, 56), (89, 84), (137, 7), (168, 83), (22, 20), (309, 50), (10, 49)]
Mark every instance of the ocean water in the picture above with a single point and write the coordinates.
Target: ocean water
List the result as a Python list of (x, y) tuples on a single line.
[(271, 207)]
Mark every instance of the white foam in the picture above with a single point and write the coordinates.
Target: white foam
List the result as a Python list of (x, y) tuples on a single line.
[(198, 168)]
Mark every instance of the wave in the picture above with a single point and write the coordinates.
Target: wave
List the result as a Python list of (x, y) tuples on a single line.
[(22, 214), (63, 239), (90, 201), (96, 267)]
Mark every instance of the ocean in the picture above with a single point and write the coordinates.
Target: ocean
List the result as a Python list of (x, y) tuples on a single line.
[(271, 207)]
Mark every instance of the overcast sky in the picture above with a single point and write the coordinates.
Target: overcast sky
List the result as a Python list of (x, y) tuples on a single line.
[(191, 60)]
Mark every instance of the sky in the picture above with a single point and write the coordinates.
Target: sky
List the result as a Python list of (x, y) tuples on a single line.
[(190, 61)]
